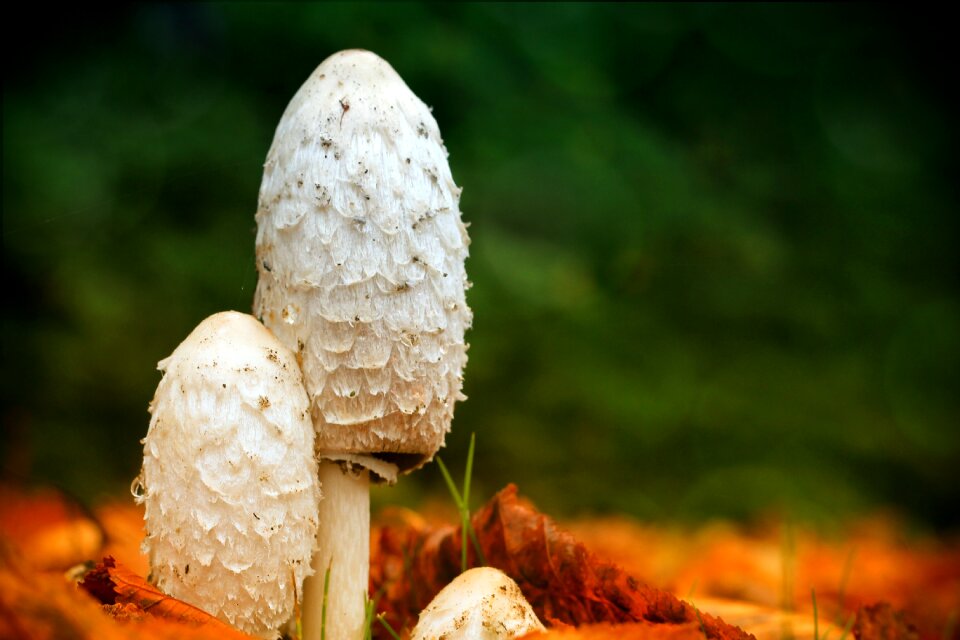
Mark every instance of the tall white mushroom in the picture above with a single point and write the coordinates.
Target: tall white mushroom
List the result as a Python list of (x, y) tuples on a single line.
[(229, 476), (360, 251)]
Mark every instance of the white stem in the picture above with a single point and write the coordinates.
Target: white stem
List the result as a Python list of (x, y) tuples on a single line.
[(343, 545)]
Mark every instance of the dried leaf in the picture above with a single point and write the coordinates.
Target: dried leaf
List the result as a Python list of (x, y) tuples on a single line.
[(114, 584), (625, 631), (563, 581), (881, 622), (769, 623), (869, 560), (43, 605)]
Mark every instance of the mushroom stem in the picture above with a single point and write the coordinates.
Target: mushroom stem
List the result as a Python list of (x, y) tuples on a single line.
[(343, 546)]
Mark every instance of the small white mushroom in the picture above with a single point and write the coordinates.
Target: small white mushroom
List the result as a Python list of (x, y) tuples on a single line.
[(480, 604), (360, 254), (229, 478)]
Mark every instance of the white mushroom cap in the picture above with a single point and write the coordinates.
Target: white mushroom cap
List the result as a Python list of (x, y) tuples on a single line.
[(360, 251), (480, 604), (229, 478)]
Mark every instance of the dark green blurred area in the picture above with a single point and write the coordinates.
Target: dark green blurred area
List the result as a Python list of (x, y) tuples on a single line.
[(714, 247)]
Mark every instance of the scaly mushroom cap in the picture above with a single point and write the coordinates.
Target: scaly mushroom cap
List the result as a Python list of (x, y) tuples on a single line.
[(360, 251), (229, 478), (480, 604)]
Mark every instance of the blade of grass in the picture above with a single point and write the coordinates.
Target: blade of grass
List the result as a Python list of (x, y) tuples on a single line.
[(703, 629), (323, 608), (816, 619), (460, 511), (468, 473), (476, 545), (848, 626), (462, 502), (465, 526), (386, 625), (467, 478), (449, 480), (368, 606)]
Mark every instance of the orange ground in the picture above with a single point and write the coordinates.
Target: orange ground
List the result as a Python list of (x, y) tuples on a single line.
[(753, 577)]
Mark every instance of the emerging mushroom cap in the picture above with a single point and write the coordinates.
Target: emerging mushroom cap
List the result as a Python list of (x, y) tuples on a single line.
[(360, 251), (229, 478), (480, 604)]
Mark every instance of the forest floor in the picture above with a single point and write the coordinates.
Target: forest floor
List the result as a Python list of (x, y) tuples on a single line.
[(875, 578)]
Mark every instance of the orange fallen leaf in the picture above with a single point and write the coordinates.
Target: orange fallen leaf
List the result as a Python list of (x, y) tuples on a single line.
[(881, 622), (563, 581), (113, 584), (46, 605), (43, 605), (869, 560), (626, 631), (769, 623)]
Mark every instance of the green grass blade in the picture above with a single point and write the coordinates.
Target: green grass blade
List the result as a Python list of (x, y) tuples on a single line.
[(468, 473), (462, 502), (816, 617), (367, 618), (386, 625), (465, 526), (323, 609), (703, 629), (476, 546), (848, 626), (452, 487)]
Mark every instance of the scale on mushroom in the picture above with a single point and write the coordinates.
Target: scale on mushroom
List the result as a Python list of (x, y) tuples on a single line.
[(360, 254)]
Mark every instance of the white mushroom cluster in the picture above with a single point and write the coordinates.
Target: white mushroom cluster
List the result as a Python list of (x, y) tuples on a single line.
[(360, 253), (229, 477)]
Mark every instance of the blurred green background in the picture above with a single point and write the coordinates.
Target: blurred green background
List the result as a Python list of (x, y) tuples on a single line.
[(714, 247)]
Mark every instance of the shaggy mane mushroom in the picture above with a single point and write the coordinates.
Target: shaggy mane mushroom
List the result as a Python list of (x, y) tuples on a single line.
[(360, 254)]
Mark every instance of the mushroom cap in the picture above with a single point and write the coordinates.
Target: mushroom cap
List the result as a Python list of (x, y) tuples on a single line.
[(229, 478), (360, 253), (480, 604)]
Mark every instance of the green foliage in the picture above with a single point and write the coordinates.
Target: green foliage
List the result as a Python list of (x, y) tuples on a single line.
[(368, 616), (816, 615), (386, 625), (462, 501), (714, 246), (323, 606)]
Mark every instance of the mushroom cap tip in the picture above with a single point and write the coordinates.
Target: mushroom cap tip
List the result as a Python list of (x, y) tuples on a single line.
[(227, 336)]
